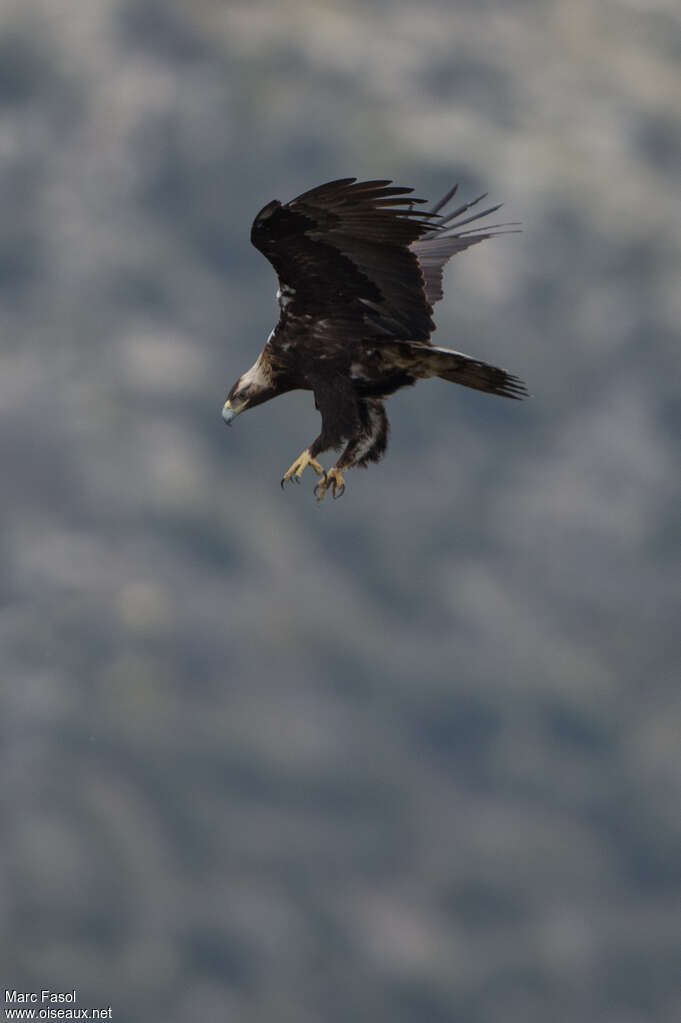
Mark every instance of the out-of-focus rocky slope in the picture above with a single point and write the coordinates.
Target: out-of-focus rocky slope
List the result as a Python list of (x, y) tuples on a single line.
[(413, 755)]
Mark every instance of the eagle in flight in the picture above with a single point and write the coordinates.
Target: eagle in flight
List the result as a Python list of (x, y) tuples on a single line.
[(359, 270)]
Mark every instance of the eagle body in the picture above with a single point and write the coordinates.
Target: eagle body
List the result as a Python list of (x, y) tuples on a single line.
[(359, 271)]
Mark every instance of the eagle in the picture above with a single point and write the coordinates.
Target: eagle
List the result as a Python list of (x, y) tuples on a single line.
[(360, 268)]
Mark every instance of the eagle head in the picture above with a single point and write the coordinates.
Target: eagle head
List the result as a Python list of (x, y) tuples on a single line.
[(252, 388)]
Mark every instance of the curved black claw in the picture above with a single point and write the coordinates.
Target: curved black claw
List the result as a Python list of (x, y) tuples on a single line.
[(340, 492), (318, 484), (283, 482)]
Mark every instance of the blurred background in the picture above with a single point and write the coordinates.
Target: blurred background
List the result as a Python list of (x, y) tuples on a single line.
[(409, 756)]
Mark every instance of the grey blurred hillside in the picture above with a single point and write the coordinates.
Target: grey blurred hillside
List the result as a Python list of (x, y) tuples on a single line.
[(409, 756)]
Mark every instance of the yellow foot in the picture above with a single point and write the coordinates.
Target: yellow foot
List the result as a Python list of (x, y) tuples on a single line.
[(332, 479), (299, 466)]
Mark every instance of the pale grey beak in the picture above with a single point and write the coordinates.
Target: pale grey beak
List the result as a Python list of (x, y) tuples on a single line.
[(230, 412)]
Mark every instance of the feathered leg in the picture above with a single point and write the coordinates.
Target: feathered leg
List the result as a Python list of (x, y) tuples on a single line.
[(336, 400), (368, 445)]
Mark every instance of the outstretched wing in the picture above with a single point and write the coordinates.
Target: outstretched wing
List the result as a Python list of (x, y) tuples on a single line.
[(445, 237), (342, 254)]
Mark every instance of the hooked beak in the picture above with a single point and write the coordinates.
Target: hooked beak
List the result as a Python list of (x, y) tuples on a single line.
[(230, 411)]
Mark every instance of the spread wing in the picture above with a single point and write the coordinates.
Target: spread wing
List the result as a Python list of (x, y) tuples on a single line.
[(342, 254), (445, 237)]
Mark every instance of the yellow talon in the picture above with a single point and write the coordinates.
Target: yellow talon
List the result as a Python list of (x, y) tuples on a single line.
[(332, 479), (299, 466)]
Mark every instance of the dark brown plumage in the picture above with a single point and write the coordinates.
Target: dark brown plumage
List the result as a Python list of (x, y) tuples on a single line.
[(360, 268)]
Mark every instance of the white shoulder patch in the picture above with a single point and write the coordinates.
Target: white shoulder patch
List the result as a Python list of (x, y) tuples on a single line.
[(285, 295)]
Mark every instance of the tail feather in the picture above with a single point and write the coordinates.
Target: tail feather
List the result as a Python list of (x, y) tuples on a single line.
[(462, 369), (422, 361)]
